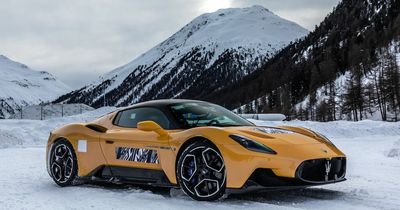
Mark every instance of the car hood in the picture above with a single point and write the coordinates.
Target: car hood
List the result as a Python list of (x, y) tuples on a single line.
[(289, 141), (275, 135)]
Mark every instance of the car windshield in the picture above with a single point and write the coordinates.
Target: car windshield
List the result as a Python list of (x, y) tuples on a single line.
[(196, 114)]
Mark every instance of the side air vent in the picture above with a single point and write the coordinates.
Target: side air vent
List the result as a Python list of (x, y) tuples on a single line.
[(97, 128)]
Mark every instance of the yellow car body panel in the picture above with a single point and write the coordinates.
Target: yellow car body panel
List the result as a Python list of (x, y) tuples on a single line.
[(292, 149), (145, 153)]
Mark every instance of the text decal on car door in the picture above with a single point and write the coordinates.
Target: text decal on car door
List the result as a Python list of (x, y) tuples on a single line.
[(137, 155)]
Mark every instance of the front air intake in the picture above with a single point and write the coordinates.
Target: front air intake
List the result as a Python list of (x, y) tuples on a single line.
[(322, 170)]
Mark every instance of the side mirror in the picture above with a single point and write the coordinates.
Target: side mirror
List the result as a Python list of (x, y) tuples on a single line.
[(151, 126)]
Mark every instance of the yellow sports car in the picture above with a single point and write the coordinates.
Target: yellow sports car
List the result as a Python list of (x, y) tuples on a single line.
[(202, 148)]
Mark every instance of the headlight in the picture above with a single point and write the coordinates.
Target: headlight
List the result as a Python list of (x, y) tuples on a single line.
[(252, 145)]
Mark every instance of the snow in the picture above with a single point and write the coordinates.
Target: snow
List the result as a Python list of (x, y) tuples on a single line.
[(28, 133), (306, 52), (21, 86), (372, 148), (27, 85), (26, 185), (343, 129)]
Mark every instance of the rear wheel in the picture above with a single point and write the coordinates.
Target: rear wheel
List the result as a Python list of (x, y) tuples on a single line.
[(63, 164), (201, 172)]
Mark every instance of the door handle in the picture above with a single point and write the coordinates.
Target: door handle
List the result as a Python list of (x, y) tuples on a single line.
[(109, 142)]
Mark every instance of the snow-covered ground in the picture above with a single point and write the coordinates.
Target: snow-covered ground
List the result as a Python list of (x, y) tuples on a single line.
[(373, 150)]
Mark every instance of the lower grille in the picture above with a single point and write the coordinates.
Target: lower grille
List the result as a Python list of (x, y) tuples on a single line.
[(322, 170), (267, 178)]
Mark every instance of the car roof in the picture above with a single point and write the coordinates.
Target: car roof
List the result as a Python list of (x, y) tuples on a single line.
[(161, 103)]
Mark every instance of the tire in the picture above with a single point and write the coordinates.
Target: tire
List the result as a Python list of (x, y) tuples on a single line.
[(63, 165), (201, 172)]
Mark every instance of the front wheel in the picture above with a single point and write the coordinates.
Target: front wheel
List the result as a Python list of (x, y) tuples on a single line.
[(201, 172), (63, 164)]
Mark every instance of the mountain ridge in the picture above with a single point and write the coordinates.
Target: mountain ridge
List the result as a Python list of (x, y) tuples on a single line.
[(22, 86), (199, 58)]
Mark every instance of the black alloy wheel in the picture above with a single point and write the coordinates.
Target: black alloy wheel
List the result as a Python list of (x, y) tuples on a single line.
[(201, 172), (62, 163)]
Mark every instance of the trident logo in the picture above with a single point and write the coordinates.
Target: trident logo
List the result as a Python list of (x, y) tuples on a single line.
[(327, 169)]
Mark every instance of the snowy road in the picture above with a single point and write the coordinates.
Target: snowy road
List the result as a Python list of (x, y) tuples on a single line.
[(373, 183)]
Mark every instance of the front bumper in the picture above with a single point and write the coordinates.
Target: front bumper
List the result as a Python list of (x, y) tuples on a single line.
[(309, 173)]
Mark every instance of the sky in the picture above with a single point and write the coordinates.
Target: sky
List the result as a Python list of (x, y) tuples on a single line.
[(79, 40)]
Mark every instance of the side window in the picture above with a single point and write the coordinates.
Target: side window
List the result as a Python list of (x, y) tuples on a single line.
[(130, 118)]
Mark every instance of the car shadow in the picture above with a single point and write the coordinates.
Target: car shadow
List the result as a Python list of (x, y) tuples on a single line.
[(289, 196), (269, 197), (127, 187)]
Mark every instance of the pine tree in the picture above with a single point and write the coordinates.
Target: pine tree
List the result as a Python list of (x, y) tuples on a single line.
[(391, 78), (331, 104), (354, 100), (311, 105)]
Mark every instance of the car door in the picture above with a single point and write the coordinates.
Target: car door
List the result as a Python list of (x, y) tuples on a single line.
[(126, 147)]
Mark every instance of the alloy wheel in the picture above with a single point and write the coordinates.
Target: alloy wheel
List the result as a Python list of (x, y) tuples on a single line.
[(62, 163), (203, 172)]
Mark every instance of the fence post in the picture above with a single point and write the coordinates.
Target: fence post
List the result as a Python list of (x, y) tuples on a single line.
[(21, 111), (62, 110), (41, 112), (2, 107)]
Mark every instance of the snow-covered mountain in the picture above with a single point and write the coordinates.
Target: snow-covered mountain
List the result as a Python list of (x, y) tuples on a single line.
[(213, 49), (22, 86), (347, 68)]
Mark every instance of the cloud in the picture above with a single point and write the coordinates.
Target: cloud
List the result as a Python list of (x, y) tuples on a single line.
[(79, 40)]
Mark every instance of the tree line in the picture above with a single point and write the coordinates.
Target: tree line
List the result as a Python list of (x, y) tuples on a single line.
[(356, 44)]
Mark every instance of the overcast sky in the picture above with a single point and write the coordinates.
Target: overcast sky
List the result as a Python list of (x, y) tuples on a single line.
[(78, 40)]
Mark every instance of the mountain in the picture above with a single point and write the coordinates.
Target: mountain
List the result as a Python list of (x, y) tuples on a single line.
[(212, 50), (347, 68), (21, 86)]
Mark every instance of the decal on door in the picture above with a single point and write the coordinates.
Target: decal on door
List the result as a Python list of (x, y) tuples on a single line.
[(82, 145), (137, 155)]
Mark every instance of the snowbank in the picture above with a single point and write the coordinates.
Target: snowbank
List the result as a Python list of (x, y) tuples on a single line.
[(16, 133), (343, 129), (27, 133)]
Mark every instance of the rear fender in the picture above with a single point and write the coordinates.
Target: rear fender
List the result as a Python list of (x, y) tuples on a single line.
[(86, 144)]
